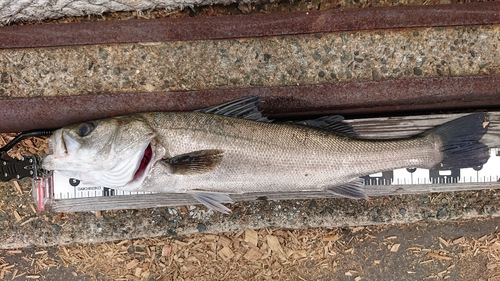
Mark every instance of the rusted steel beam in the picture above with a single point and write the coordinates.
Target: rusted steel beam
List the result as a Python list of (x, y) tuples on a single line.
[(374, 97), (275, 24)]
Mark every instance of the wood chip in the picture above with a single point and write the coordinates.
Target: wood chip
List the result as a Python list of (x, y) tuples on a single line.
[(444, 242), (191, 272), (17, 216), (459, 240), (226, 254), (252, 255), (332, 238), (251, 237), (138, 272), (18, 187), (13, 252), (132, 264), (491, 266), (357, 228), (395, 247), (27, 221), (275, 246), (166, 250), (438, 256), (482, 238), (226, 242)]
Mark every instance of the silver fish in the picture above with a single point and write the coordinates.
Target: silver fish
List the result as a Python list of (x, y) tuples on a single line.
[(232, 148)]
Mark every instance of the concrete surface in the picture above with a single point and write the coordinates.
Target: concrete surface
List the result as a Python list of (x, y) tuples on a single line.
[(22, 227), (256, 62)]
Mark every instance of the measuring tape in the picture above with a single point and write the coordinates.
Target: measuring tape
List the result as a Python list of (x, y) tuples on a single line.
[(60, 187)]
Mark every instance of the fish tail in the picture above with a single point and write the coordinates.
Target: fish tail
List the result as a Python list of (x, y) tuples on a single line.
[(460, 139)]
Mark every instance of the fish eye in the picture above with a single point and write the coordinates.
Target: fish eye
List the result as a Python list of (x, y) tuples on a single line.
[(85, 129)]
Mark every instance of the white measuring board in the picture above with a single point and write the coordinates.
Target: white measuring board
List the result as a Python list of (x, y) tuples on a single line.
[(66, 188)]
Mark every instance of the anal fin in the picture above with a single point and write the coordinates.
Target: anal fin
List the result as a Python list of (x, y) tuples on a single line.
[(354, 189), (213, 200)]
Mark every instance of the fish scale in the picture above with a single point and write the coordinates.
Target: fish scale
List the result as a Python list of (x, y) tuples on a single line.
[(231, 149), (277, 155)]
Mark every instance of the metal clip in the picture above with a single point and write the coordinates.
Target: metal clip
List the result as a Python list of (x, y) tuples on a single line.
[(11, 168)]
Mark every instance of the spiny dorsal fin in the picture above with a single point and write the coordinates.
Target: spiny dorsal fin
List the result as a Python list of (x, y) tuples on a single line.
[(354, 189), (195, 162), (245, 108), (332, 123)]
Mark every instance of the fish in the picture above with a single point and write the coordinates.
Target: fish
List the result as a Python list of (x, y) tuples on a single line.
[(232, 148)]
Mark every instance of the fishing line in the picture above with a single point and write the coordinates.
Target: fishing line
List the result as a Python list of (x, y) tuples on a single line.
[(23, 135)]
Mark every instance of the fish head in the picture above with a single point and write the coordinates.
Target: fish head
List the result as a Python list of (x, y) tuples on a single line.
[(109, 152)]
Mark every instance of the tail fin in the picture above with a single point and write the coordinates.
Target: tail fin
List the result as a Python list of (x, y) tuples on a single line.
[(461, 144)]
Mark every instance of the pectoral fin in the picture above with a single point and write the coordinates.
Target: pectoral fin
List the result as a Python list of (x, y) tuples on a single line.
[(353, 189), (195, 162), (213, 200)]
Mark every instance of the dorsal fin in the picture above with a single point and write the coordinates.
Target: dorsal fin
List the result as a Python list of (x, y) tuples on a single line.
[(245, 108), (332, 123)]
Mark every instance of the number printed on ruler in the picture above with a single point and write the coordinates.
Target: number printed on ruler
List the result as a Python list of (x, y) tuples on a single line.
[(66, 188), (489, 172)]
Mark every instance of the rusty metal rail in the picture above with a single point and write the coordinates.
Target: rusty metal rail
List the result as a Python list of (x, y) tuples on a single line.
[(349, 98), (276, 24), (373, 97)]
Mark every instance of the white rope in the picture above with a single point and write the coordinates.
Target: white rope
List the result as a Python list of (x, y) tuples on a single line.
[(32, 10)]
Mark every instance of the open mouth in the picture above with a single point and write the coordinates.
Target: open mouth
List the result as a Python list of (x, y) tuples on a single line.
[(146, 158)]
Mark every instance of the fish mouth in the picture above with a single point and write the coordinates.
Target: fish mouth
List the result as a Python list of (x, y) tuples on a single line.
[(144, 164)]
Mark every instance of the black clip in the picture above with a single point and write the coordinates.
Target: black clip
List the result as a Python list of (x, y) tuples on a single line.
[(16, 169)]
